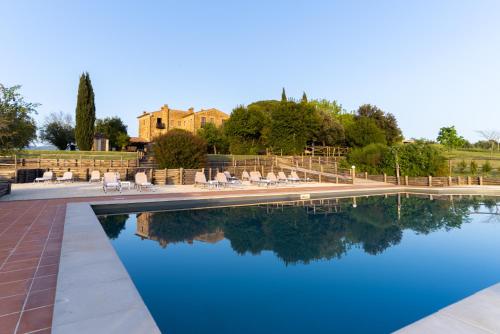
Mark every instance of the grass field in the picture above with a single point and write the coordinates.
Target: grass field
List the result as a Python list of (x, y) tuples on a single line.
[(110, 155), (480, 157)]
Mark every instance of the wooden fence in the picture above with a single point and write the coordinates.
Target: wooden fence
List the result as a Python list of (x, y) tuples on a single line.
[(432, 181)]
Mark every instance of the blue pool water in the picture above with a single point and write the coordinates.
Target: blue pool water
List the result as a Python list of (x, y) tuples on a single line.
[(368, 265)]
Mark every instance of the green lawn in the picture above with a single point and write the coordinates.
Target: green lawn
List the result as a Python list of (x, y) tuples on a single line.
[(478, 156), (111, 155)]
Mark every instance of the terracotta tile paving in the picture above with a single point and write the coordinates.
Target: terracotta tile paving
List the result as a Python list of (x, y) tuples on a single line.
[(30, 247)]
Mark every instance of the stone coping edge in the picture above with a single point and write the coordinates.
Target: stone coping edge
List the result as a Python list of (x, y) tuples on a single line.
[(95, 293)]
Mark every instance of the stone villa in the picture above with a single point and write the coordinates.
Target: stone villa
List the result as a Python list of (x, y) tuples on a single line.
[(155, 123)]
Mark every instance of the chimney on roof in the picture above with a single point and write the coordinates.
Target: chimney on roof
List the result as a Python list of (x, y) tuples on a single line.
[(191, 109)]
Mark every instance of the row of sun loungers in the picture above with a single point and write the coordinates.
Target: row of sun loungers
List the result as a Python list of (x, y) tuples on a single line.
[(111, 180), (49, 176), (225, 179)]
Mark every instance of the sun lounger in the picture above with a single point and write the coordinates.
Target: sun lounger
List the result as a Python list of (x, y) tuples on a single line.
[(255, 177), (272, 178), (229, 177), (294, 176), (222, 179), (141, 181), (67, 177), (95, 176), (245, 176), (46, 177), (201, 180), (110, 181), (282, 178)]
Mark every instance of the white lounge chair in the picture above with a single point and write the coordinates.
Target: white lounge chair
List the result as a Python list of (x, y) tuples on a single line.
[(255, 177), (294, 176), (272, 178), (67, 177), (201, 180), (222, 179), (229, 177), (95, 176), (141, 181), (110, 181), (46, 177), (282, 177)]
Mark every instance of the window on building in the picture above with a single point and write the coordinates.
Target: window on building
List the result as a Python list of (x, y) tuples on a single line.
[(178, 123), (159, 124), (212, 120), (171, 123), (203, 121)]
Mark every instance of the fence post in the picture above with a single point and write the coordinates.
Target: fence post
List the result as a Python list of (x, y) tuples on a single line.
[(336, 179), (385, 178), (310, 162), (262, 167), (181, 175), (210, 173), (321, 170), (469, 182), (480, 180), (15, 167), (353, 173), (406, 180), (430, 180), (366, 175), (449, 181)]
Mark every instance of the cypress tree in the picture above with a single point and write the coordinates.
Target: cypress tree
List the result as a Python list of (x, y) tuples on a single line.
[(283, 95), (304, 97), (85, 114)]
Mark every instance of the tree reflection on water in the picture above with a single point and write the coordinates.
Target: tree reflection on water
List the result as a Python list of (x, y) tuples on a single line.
[(301, 232)]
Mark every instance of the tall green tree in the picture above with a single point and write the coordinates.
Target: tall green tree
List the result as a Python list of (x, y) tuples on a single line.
[(384, 121), (304, 97), (293, 125), (85, 114), (449, 138), (17, 126), (364, 131), (214, 136), (283, 95), (114, 129), (58, 129), (246, 128)]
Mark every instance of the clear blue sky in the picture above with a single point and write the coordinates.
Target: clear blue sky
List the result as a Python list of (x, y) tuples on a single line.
[(430, 63)]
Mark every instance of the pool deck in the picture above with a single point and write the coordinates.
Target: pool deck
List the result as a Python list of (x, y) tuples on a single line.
[(32, 229)]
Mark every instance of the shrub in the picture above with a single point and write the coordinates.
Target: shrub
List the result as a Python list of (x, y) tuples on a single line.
[(462, 166), (486, 167), (371, 158), (418, 159), (421, 159), (473, 167), (179, 148)]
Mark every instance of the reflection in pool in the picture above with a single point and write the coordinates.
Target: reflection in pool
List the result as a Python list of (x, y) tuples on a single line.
[(357, 265)]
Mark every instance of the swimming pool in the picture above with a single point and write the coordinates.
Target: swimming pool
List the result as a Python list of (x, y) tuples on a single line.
[(349, 265)]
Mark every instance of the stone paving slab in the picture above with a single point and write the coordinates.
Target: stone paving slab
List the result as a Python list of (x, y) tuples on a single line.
[(479, 313)]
